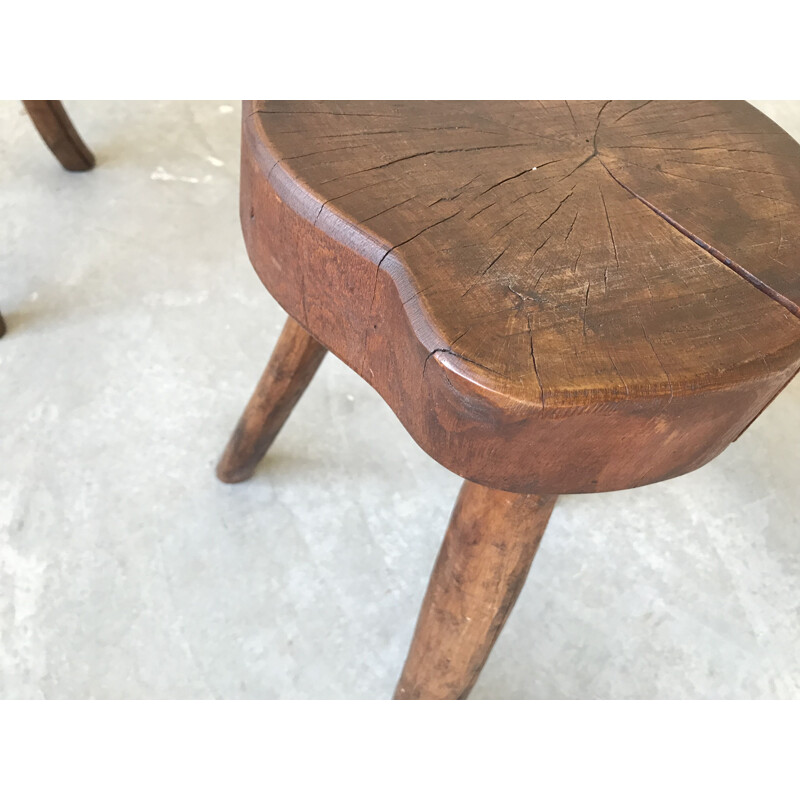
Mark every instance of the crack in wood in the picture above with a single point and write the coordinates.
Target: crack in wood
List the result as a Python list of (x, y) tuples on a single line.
[(505, 180), (597, 126), (485, 208), (774, 294), (385, 210), (533, 359), (621, 116), (613, 242), (506, 224), (419, 233), (619, 374), (520, 174), (346, 194), (494, 261), (533, 254), (459, 190), (460, 357), (572, 225), (348, 147), (575, 124), (721, 166), (661, 363), (585, 306), (326, 113), (555, 211), (430, 153), (757, 195)]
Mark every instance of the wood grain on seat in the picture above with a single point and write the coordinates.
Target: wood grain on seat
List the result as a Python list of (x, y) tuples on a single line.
[(552, 297)]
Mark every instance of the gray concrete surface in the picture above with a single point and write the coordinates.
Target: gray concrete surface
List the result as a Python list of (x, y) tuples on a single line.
[(137, 330)]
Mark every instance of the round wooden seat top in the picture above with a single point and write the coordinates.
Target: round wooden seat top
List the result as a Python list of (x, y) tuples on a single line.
[(551, 296)]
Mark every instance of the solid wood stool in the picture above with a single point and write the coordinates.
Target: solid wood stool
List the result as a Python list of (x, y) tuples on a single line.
[(62, 139), (552, 297)]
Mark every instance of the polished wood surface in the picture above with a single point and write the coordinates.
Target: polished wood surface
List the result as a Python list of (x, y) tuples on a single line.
[(290, 369), (552, 297), (479, 573), (59, 134)]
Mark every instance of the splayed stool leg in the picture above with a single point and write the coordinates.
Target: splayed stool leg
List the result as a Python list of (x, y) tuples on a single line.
[(293, 363)]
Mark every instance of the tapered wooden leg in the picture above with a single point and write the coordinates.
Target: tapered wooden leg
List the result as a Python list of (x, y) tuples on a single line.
[(56, 128), (484, 560), (291, 368)]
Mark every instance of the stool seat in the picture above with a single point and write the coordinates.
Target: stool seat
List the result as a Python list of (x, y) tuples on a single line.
[(552, 297)]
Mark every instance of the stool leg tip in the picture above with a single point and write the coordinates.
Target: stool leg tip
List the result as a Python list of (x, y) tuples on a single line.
[(228, 475)]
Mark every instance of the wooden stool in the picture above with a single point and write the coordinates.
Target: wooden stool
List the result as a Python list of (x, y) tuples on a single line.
[(552, 297), (60, 136)]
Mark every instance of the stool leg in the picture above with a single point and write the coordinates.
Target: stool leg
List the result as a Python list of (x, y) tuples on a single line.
[(485, 557), (292, 366), (59, 135)]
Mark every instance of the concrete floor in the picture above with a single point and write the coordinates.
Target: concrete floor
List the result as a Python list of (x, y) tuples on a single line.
[(137, 330)]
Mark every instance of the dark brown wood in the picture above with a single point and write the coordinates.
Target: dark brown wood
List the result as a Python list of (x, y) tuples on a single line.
[(2, 326), (289, 371), (479, 573), (552, 297), (59, 134)]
